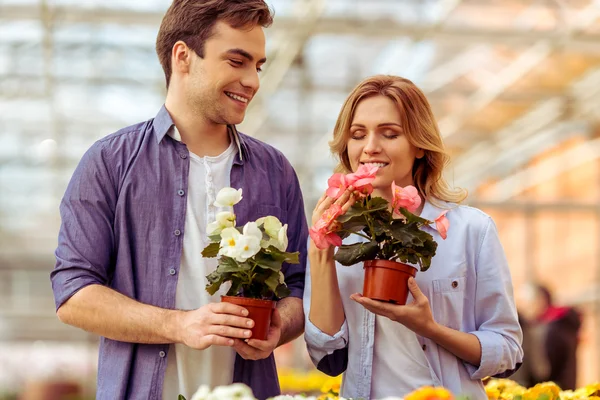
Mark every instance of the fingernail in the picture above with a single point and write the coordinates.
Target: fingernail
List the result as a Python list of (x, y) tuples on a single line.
[(230, 342), (244, 312), (247, 333), (249, 323)]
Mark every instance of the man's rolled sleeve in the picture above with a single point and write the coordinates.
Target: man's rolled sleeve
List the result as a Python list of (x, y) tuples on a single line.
[(498, 329), (86, 239), (297, 233)]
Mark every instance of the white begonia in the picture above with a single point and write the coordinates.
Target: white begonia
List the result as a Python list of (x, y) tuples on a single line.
[(202, 393), (228, 197), (249, 242), (276, 231), (224, 219), (282, 238), (230, 242), (237, 391)]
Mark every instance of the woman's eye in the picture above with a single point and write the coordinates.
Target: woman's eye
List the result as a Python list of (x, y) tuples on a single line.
[(357, 136), (259, 70), (236, 63)]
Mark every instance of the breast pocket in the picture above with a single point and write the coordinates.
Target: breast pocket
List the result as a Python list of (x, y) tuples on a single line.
[(448, 300), (263, 210)]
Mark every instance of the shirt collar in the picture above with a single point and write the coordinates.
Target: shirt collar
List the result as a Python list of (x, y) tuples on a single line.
[(163, 122)]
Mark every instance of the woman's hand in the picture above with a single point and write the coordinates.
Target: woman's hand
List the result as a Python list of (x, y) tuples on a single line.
[(416, 316), (325, 202)]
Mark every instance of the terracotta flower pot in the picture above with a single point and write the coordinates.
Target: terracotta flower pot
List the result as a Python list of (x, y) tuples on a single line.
[(259, 311), (387, 281)]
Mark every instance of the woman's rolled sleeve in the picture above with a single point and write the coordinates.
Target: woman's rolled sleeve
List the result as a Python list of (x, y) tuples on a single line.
[(498, 329)]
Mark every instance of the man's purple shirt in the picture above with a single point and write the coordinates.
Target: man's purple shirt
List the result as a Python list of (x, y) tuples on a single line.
[(123, 220)]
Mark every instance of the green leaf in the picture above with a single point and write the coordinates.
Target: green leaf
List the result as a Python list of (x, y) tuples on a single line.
[(408, 234), (410, 217), (212, 250), (267, 261), (283, 256), (181, 397), (350, 254), (236, 284), (282, 291), (359, 209), (272, 281), (228, 264), (215, 280), (215, 238)]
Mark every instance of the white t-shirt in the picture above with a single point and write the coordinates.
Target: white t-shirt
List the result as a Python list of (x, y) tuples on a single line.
[(399, 364), (187, 369)]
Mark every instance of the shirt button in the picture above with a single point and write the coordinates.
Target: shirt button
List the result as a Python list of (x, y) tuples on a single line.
[(424, 347), (162, 354), (180, 192), (172, 271), (454, 284), (183, 155), (177, 232)]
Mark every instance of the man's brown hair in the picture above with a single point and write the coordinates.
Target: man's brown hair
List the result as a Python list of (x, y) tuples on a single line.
[(192, 21)]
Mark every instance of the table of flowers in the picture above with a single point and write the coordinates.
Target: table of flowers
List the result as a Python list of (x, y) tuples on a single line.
[(496, 389)]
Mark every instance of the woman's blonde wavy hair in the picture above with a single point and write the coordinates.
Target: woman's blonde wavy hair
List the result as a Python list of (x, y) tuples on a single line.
[(419, 126)]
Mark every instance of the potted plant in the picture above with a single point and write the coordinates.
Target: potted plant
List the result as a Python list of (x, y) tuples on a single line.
[(250, 258), (392, 242)]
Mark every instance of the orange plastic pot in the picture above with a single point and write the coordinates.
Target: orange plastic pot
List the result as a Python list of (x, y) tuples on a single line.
[(387, 281), (259, 311)]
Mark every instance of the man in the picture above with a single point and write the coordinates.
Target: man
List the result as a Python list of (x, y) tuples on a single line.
[(551, 338), (134, 219)]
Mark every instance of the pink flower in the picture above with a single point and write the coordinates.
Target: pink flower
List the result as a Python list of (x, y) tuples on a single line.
[(337, 185), (407, 197), (442, 224), (364, 176), (323, 240), (322, 233)]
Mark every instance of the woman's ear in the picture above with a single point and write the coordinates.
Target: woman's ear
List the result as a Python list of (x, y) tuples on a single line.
[(420, 153)]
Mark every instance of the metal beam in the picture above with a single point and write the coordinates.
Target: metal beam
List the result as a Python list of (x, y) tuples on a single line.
[(524, 63), (380, 27)]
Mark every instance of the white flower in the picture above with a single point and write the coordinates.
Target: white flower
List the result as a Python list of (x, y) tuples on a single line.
[(249, 242), (282, 238), (228, 197), (202, 393), (271, 224), (277, 233), (225, 219), (289, 397), (237, 391), (230, 242)]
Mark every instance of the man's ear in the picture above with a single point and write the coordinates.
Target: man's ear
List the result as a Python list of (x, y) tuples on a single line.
[(181, 57)]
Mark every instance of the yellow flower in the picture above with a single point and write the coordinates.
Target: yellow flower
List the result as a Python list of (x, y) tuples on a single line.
[(430, 393), (332, 385), (492, 393), (550, 389)]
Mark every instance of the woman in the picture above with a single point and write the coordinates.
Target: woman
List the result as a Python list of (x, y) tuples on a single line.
[(460, 322)]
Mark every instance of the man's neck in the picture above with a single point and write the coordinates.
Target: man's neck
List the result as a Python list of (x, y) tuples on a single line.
[(201, 136)]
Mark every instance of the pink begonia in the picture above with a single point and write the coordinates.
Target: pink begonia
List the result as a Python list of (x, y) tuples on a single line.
[(364, 176), (321, 233), (337, 185), (442, 224), (407, 197), (323, 240)]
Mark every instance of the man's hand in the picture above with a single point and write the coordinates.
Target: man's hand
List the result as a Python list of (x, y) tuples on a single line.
[(214, 324), (254, 349)]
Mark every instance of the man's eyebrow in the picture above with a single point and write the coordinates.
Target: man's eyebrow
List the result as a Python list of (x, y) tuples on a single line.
[(246, 55)]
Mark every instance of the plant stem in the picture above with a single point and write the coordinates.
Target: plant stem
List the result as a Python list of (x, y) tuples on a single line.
[(356, 233)]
